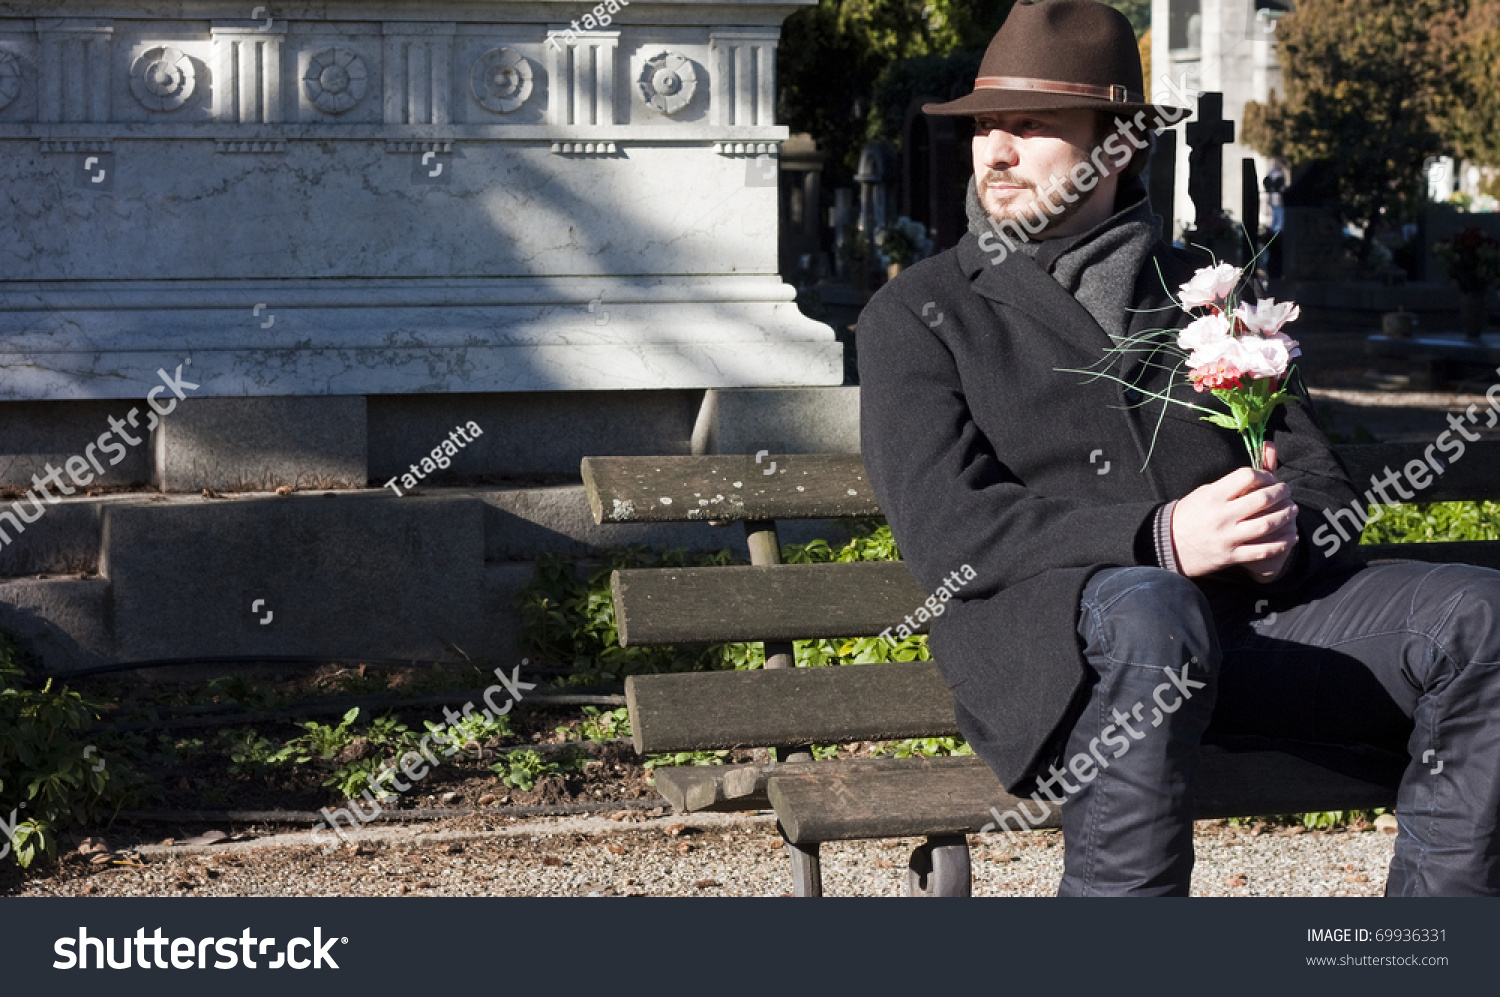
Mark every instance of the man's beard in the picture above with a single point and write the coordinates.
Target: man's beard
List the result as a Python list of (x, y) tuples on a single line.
[(1035, 210)]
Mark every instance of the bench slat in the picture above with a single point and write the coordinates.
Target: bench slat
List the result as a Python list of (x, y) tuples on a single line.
[(833, 801), (738, 788), (1474, 476), (726, 488), (771, 602), (631, 489), (854, 599), (793, 706)]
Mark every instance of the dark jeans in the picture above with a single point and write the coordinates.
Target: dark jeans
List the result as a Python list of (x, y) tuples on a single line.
[(1400, 655)]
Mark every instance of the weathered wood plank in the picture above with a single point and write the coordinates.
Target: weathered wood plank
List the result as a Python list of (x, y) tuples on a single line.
[(792, 706), (1485, 553), (1474, 476), (774, 602), (817, 486), (727, 488), (740, 788), (956, 795), (698, 788), (855, 599)]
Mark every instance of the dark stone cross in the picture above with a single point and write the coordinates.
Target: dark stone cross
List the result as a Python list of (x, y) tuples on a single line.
[(1206, 138)]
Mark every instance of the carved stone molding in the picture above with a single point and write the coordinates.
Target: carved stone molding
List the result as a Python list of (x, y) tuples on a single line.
[(668, 82), (581, 78), (417, 74), (502, 80), (336, 80), (264, 145), (74, 83), (76, 145), (396, 145), (736, 149), (743, 67), (163, 78), (10, 78), (247, 73), (584, 148)]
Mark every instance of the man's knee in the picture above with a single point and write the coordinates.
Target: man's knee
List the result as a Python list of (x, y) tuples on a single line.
[(1470, 613), (1152, 616)]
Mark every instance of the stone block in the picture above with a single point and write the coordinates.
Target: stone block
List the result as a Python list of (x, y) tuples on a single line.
[(63, 540), (259, 444), (60, 624), (526, 434), (41, 433), (346, 575), (780, 420)]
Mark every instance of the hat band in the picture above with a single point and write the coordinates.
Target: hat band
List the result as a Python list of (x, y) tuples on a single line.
[(1114, 93)]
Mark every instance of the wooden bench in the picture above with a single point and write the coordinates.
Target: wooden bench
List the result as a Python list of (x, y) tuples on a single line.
[(790, 709)]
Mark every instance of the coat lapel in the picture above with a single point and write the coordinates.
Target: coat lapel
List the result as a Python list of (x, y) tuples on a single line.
[(1017, 282)]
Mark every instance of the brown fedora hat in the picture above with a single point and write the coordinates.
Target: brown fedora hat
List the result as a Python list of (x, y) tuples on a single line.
[(1060, 54)]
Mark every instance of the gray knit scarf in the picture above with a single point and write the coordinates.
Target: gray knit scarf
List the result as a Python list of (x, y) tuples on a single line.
[(1097, 267)]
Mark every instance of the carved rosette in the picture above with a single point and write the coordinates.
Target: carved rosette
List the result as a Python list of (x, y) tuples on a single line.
[(668, 82), (336, 80), (502, 80), (162, 79)]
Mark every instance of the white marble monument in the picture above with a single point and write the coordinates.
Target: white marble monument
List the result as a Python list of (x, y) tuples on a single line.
[(398, 197)]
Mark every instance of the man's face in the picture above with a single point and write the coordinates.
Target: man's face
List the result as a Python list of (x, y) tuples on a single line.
[(1018, 153)]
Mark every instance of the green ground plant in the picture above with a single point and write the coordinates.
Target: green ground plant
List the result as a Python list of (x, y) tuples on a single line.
[(599, 726), (523, 768), (51, 774)]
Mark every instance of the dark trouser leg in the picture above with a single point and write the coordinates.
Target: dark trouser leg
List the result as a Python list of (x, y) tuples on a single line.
[(1127, 769), (1397, 651)]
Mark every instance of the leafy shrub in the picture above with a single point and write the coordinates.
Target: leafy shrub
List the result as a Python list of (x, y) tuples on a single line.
[(48, 770), (1435, 522)]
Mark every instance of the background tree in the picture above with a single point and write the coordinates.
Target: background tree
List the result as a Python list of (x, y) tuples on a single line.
[(831, 56), (848, 68), (1467, 44), (1363, 88)]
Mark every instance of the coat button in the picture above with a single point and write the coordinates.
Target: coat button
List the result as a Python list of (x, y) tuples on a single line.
[(1132, 396)]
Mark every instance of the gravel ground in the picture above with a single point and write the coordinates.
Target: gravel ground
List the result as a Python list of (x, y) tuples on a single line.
[(703, 855)]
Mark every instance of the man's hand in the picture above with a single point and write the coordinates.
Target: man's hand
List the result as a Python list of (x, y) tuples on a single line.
[(1245, 518)]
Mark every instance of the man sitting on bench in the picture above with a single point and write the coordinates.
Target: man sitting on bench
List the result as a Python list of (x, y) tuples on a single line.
[(1098, 571)]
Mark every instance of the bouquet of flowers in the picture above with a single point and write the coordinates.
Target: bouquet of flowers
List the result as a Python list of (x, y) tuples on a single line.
[(1237, 352), (1233, 350), (905, 242), (1472, 258)]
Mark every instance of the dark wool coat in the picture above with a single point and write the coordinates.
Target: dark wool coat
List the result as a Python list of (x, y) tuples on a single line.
[(979, 452)]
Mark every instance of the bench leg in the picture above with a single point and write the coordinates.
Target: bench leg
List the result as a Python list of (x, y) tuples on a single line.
[(940, 867), (807, 871)]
